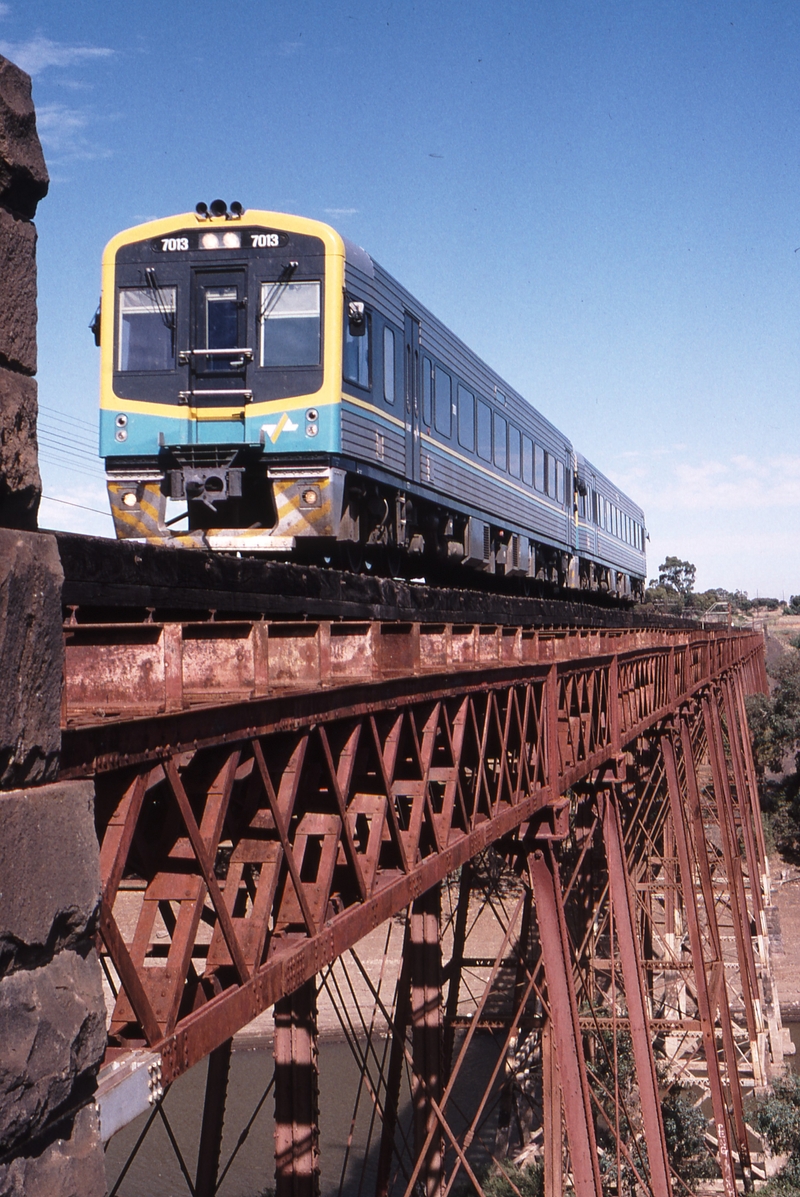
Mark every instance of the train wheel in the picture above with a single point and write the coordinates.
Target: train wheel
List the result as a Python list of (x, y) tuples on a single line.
[(350, 557)]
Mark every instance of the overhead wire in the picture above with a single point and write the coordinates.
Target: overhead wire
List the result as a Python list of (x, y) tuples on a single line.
[(70, 447), (68, 503), (68, 416), (73, 469)]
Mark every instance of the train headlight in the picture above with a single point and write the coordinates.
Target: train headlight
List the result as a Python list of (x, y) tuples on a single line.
[(210, 241), (129, 498), (310, 497), (121, 420), (232, 240), (121, 435), (312, 429)]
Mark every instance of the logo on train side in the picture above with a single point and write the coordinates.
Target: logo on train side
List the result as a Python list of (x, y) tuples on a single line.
[(273, 431)]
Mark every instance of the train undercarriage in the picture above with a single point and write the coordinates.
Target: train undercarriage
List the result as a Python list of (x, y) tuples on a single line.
[(339, 516)]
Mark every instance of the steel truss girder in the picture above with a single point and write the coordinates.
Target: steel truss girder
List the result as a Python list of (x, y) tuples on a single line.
[(292, 826), (621, 812)]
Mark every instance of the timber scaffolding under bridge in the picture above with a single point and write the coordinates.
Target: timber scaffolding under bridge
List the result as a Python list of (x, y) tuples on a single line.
[(543, 822)]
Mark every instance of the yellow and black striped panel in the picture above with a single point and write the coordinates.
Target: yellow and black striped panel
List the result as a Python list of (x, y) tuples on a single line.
[(138, 509), (310, 506)]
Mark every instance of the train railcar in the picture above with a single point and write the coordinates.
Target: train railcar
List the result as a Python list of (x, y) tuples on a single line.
[(269, 377)]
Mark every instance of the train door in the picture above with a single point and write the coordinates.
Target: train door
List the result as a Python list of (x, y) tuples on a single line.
[(593, 514), (411, 391), (220, 358)]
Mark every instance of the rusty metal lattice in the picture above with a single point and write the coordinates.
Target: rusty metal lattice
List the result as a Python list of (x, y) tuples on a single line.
[(246, 848), (271, 835)]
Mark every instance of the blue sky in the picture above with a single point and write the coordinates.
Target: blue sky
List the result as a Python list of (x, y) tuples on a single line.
[(600, 198)]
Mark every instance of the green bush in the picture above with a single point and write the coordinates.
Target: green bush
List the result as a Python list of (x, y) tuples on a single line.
[(529, 1180), (684, 1130), (778, 1120)]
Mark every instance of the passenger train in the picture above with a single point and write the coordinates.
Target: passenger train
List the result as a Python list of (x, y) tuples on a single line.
[(267, 375)]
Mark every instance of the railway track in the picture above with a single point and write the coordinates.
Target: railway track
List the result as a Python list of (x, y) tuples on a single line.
[(109, 580)]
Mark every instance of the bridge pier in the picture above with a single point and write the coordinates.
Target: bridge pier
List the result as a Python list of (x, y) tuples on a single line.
[(708, 963), (209, 1151), (296, 1094), (426, 1023), (52, 1015)]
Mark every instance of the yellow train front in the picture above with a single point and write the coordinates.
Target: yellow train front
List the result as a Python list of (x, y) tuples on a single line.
[(219, 367), (288, 396)]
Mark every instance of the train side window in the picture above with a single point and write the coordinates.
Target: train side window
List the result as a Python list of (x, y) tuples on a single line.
[(388, 365), (500, 442), (484, 431), (466, 418), (442, 401), (147, 328), (527, 461), (427, 392), (538, 467), (357, 355), (550, 475), (513, 451), (559, 482), (607, 522), (581, 505)]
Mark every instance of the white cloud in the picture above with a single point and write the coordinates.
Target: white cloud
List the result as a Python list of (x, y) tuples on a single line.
[(341, 211), (740, 484), (62, 132), (5, 10), (40, 53)]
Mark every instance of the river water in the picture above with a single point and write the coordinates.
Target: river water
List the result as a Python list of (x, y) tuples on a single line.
[(156, 1172)]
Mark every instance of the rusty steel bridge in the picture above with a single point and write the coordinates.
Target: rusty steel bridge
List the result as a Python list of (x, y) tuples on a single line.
[(552, 827)]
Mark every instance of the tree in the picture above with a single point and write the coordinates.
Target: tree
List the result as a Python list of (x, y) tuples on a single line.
[(678, 575), (778, 1120), (775, 721), (775, 730)]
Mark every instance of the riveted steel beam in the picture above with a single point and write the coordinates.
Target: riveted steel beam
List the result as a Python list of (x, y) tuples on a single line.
[(292, 825)]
